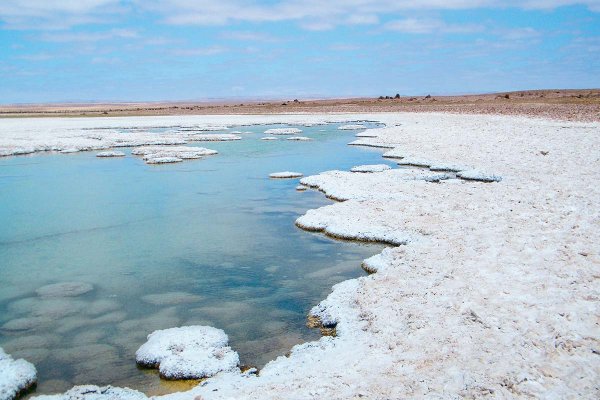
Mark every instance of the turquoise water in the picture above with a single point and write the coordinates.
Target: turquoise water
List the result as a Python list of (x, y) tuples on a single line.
[(208, 241)]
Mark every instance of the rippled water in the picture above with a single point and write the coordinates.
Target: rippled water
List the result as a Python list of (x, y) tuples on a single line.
[(209, 241)]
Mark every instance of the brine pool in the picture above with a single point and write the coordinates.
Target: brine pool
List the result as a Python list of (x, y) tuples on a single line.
[(203, 242)]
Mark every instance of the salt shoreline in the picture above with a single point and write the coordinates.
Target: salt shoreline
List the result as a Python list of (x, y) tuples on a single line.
[(497, 290)]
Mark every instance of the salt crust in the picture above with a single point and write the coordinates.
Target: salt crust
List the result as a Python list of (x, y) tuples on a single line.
[(351, 127), (285, 175), (269, 138), (15, 376), (110, 154), (480, 302), (90, 392), (188, 352), (299, 138), (475, 175), (171, 154), (213, 137), (283, 131), (370, 168)]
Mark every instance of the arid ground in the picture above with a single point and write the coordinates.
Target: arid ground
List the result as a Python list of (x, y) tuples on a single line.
[(576, 105)]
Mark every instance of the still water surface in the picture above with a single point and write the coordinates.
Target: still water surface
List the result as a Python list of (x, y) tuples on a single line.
[(209, 242)]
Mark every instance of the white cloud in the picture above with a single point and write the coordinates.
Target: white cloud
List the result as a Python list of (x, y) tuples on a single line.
[(199, 51), (89, 37), (427, 26), (312, 14)]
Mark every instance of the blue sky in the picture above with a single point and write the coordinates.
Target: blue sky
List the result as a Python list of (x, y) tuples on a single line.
[(137, 50)]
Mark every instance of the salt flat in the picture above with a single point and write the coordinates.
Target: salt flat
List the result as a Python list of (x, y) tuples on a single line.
[(495, 292)]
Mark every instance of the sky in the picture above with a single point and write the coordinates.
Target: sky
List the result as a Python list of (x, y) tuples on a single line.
[(178, 50)]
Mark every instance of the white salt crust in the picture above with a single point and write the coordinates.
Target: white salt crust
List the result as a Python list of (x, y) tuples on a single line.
[(109, 154), (188, 352), (370, 168), (299, 138), (495, 294), (171, 154), (283, 131), (15, 376), (286, 175), (352, 127), (213, 137)]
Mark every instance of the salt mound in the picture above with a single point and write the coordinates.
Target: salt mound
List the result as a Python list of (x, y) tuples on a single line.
[(475, 175), (394, 153), (90, 392), (415, 162), (301, 188), (286, 174), (171, 154), (15, 376), (188, 352), (283, 131), (65, 289), (213, 137), (269, 138), (299, 138), (110, 154), (437, 177), (163, 160), (352, 127), (449, 167), (370, 168)]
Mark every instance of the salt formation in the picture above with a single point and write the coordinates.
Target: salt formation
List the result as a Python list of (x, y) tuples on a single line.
[(64, 289), (351, 127), (110, 154), (90, 392), (283, 131), (188, 352), (299, 138), (269, 138), (15, 376), (415, 162), (285, 174), (449, 167), (170, 154), (475, 175), (370, 168), (213, 137)]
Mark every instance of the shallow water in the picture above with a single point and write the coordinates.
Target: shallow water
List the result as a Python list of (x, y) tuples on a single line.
[(208, 241)]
